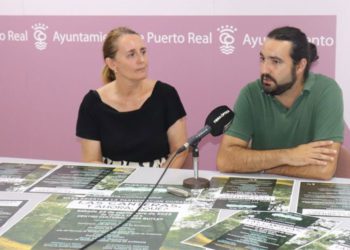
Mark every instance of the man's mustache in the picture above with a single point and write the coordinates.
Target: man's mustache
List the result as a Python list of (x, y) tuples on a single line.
[(267, 77)]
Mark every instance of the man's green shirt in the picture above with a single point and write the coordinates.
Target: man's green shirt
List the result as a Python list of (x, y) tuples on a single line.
[(317, 114)]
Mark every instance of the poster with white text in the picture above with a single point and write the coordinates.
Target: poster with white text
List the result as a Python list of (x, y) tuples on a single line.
[(19, 176), (249, 193), (91, 180), (262, 230), (324, 199)]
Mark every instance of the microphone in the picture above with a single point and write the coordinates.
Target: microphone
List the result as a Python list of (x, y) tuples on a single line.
[(216, 123)]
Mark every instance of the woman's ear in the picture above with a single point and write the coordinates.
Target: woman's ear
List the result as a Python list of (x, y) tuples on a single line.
[(111, 63)]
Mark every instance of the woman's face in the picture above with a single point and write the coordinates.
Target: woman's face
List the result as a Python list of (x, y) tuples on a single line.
[(131, 61)]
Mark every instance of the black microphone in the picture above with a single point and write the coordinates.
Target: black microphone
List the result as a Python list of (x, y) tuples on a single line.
[(216, 123)]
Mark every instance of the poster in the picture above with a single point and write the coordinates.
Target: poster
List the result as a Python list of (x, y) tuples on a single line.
[(8, 208), (139, 191), (194, 216), (324, 199), (249, 193), (71, 221), (262, 230), (335, 240), (83, 180), (187, 223), (19, 176)]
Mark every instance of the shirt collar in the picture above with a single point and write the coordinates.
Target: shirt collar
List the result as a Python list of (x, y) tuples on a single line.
[(310, 81)]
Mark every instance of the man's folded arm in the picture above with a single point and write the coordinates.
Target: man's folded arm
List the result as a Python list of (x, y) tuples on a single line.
[(312, 160), (234, 155), (321, 172)]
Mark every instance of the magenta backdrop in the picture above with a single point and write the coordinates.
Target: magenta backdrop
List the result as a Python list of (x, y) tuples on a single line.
[(43, 77)]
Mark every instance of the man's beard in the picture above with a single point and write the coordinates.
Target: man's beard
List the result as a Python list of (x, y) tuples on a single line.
[(280, 88)]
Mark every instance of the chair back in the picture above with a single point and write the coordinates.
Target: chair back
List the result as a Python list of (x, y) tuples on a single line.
[(343, 168)]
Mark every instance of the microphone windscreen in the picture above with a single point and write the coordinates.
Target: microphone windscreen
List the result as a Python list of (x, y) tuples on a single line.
[(219, 119)]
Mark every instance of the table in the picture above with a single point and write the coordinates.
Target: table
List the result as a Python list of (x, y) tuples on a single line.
[(43, 212)]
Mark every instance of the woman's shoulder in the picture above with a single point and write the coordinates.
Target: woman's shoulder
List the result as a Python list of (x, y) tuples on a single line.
[(164, 87), (91, 97), (92, 94)]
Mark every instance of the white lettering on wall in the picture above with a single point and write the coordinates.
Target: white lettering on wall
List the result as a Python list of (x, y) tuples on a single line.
[(78, 37), (2, 36), (256, 41), (322, 41), (200, 39), (253, 41), (165, 38), (17, 36)]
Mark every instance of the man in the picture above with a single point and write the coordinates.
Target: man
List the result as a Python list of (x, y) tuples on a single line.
[(288, 122)]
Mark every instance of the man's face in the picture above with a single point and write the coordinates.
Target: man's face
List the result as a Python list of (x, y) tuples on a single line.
[(278, 73)]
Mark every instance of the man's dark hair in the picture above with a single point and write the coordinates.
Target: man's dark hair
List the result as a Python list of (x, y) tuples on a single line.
[(301, 47)]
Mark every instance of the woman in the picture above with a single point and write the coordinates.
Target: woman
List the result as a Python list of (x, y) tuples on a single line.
[(131, 120)]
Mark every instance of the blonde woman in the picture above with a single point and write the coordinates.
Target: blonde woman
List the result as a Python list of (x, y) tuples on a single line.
[(131, 119)]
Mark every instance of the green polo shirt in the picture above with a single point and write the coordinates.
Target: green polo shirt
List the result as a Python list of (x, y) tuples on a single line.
[(317, 114)]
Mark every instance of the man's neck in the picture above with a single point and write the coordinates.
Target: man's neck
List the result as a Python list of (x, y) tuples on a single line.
[(288, 98)]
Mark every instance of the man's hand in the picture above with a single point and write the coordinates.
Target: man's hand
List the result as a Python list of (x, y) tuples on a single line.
[(313, 153), (316, 160)]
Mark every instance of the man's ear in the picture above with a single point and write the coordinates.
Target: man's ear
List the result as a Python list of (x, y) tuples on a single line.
[(301, 66)]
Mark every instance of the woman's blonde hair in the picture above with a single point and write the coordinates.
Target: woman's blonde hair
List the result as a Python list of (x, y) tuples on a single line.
[(110, 49)]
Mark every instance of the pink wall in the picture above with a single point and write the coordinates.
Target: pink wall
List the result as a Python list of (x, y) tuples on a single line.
[(41, 89)]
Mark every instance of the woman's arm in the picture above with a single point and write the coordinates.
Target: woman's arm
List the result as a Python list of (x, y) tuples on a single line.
[(91, 151), (177, 136)]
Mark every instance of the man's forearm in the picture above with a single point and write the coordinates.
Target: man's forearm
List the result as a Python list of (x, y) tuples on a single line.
[(304, 158), (240, 159), (310, 171), (323, 170)]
